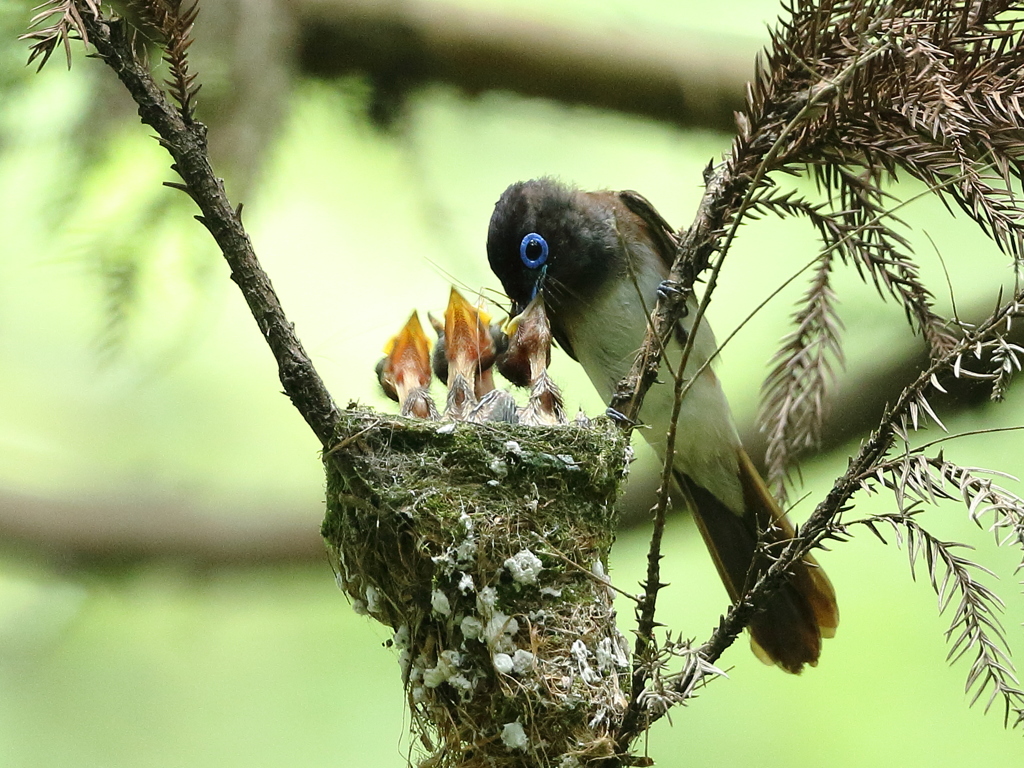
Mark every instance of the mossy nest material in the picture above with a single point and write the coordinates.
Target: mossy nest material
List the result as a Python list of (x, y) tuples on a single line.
[(485, 548)]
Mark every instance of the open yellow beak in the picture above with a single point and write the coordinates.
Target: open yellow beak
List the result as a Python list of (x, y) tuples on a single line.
[(511, 326), (408, 357), (467, 337)]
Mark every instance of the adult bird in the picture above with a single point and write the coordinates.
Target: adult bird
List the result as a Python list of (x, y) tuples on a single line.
[(599, 259)]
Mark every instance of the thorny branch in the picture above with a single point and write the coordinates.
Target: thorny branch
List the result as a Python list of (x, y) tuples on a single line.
[(683, 274), (852, 93), (644, 653), (916, 479), (824, 522)]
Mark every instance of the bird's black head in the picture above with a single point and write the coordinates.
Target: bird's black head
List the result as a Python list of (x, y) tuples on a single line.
[(547, 237)]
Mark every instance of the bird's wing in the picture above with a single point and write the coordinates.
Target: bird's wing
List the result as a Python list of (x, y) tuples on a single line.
[(789, 631), (660, 231)]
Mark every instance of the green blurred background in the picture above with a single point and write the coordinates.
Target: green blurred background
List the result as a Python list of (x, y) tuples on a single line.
[(140, 413)]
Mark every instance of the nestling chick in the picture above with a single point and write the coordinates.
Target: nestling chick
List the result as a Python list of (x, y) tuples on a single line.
[(404, 371)]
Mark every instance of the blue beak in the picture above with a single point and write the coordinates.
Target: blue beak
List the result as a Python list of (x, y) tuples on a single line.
[(538, 284)]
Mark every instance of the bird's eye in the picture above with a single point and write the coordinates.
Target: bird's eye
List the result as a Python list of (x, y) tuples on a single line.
[(533, 250)]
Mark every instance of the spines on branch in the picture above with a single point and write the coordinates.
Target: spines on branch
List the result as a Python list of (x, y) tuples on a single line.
[(174, 20)]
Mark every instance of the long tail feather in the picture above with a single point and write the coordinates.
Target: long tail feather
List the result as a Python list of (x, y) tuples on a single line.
[(790, 629)]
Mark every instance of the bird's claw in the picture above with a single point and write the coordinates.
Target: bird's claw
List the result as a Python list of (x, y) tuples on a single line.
[(619, 417), (667, 289)]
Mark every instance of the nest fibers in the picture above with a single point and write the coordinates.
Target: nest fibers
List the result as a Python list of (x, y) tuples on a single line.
[(485, 548)]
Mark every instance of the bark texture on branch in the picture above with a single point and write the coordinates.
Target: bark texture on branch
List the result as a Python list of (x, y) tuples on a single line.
[(185, 140)]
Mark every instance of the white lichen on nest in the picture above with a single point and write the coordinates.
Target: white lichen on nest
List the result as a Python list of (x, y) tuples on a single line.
[(505, 628), (524, 567), (513, 736)]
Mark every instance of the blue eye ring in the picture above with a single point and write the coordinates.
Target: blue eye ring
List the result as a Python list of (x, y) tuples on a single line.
[(528, 250)]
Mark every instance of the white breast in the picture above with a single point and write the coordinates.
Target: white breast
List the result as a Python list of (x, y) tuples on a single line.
[(606, 339)]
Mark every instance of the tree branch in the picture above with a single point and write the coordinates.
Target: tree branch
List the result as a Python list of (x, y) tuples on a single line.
[(111, 533), (185, 140), (859, 400), (688, 81), (820, 525)]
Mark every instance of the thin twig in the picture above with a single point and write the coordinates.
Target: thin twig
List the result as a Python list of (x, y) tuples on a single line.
[(646, 609), (818, 525), (648, 360)]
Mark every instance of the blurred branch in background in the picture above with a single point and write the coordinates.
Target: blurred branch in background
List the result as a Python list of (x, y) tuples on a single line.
[(250, 51), (689, 80), (134, 527), (860, 398), (130, 527), (697, 82)]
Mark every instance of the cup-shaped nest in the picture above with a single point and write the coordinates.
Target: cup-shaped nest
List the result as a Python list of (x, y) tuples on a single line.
[(485, 548)]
